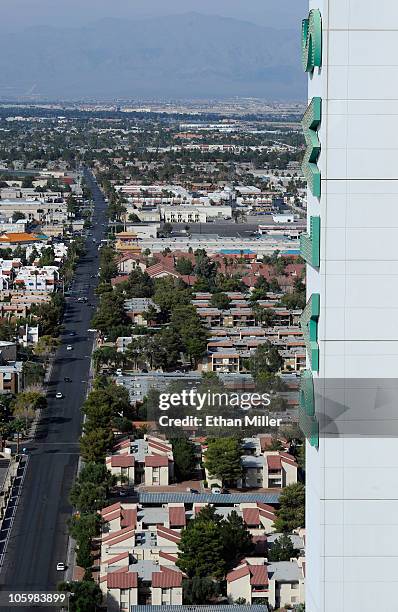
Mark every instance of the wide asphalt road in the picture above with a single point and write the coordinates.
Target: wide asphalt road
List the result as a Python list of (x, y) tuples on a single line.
[(39, 535)]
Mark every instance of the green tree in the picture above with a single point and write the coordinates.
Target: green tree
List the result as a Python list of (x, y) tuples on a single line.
[(237, 540), (167, 229), (18, 216), (266, 360), (220, 301), (33, 373), (205, 268), (293, 301), (139, 284), (223, 460), (167, 348), (91, 488), (108, 267), (110, 313), (282, 549), (26, 403), (184, 458), (47, 257), (186, 322), (49, 315), (82, 526), (169, 293), (46, 346), (17, 426), (199, 590), (27, 182), (106, 355), (87, 595), (72, 205), (95, 444), (201, 550), (84, 557), (184, 266), (291, 512)]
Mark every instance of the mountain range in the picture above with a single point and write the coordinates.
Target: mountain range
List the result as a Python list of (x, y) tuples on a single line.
[(184, 56)]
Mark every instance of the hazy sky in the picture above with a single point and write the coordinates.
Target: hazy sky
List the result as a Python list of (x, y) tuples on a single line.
[(19, 14)]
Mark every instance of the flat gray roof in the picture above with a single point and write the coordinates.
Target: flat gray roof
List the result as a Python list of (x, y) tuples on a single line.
[(208, 498), (251, 461), (284, 571), (153, 516)]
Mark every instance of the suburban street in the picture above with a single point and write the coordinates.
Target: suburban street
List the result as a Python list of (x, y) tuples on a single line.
[(39, 537)]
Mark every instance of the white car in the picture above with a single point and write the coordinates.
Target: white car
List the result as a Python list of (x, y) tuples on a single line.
[(119, 372), (69, 347), (216, 490), (60, 567), (59, 395)]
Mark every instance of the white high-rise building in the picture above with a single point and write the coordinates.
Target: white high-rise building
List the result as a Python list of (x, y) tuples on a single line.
[(351, 320)]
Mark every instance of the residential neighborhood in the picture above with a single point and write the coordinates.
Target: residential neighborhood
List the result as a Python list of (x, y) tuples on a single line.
[(124, 289)]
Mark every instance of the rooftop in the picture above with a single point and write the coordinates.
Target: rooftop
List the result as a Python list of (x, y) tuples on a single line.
[(208, 498)]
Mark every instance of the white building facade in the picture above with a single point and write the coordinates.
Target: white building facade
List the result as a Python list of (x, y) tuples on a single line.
[(351, 323)]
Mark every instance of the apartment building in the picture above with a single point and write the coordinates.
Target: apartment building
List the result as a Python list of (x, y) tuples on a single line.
[(60, 250), (270, 470), (33, 278), (147, 461), (138, 308), (278, 584), (139, 543), (262, 468), (8, 271), (11, 377)]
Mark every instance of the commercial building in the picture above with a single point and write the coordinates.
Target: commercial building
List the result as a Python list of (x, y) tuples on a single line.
[(350, 323)]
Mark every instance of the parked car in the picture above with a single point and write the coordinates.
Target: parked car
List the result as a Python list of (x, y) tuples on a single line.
[(59, 395), (216, 490)]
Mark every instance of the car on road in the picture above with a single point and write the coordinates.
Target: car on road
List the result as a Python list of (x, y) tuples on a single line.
[(67, 379), (69, 347), (60, 566), (119, 372), (59, 395)]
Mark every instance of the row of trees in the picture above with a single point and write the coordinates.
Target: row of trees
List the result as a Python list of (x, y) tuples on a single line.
[(105, 410), (184, 333)]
